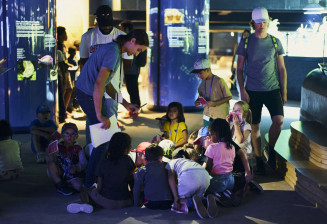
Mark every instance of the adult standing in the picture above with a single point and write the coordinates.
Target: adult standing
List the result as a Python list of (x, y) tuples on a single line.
[(91, 41), (97, 73), (132, 73), (64, 82), (266, 82)]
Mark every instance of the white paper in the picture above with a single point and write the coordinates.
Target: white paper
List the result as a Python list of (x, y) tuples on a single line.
[(100, 135), (205, 117)]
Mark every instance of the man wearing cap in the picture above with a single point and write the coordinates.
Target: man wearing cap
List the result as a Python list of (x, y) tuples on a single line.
[(262, 56), (91, 40), (213, 90)]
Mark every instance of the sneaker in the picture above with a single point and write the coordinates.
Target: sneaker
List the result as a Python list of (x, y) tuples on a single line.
[(254, 186), (63, 189), (199, 207), (76, 208), (236, 200), (224, 199), (182, 209), (212, 208), (40, 157)]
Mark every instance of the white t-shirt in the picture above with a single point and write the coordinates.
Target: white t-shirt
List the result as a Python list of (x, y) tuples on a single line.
[(246, 145), (92, 40)]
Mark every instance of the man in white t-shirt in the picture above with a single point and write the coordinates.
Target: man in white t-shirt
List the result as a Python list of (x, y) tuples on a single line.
[(91, 40)]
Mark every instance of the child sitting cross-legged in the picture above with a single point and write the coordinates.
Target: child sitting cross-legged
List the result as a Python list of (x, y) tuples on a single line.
[(66, 161), (115, 177), (153, 178)]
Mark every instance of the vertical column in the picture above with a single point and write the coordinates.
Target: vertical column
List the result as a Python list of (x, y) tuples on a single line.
[(179, 34), (30, 27)]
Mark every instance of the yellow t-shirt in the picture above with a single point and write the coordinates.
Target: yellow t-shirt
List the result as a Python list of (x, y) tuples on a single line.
[(175, 131)]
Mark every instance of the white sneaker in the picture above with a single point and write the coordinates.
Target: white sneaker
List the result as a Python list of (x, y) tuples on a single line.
[(76, 208)]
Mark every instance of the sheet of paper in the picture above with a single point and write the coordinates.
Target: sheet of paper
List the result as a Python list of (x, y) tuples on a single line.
[(99, 135)]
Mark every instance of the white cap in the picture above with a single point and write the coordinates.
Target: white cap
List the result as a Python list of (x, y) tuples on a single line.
[(201, 64), (259, 15)]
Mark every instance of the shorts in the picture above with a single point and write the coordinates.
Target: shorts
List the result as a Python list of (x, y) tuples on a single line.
[(271, 99), (193, 181)]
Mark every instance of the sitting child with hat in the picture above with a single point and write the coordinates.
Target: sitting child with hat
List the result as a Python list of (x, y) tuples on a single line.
[(42, 130), (66, 161)]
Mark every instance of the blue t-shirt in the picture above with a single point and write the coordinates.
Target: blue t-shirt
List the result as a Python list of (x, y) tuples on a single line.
[(262, 74), (37, 123), (44, 142), (108, 56)]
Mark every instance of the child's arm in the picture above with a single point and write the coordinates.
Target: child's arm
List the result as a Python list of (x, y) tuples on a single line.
[(45, 132), (173, 187), (219, 102), (184, 141), (248, 174), (209, 165), (82, 162)]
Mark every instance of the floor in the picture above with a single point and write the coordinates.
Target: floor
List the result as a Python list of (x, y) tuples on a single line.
[(32, 199)]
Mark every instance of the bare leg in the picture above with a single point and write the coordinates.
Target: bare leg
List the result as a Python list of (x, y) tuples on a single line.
[(256, 139), (36, 142), (54, 172), (275, 129), (67, 96)]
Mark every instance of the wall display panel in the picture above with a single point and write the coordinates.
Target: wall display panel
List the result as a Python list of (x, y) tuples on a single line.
[(180, 35), (30, 48)]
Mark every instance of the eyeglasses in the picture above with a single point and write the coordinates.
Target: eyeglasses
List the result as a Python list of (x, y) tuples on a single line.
[(67, 135)]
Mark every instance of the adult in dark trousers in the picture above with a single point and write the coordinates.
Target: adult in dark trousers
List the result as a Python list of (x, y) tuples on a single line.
[(91, 84), (64, 82), (132, 73), (262, 55)]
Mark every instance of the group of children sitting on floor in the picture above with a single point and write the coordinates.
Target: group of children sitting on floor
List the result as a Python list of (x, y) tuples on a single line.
[(179, 172)]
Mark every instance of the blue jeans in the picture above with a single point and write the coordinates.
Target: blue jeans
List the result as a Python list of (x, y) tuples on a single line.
[(87, 105), (221, 182)]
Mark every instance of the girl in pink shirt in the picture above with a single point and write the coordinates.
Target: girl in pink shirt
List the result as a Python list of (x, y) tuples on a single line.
[(220, 157)]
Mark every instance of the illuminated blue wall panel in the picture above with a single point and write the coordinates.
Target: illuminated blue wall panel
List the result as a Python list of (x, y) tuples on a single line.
[(29, 44), (179, 35)]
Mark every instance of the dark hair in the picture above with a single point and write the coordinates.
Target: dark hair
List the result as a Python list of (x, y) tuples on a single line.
[(193, 135), (153, 152), (118, 145), (140, 35), (182, 154), (5, 130), (61, 30), (72, 50), (222, 130), (127, 24), (179, 106)]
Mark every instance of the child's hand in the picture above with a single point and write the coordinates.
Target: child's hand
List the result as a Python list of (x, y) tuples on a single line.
[(197, 103), (162, 137), (228, 118), (236, 121)]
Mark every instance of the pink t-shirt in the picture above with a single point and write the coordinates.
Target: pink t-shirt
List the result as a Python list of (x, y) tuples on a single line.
[(222, 157)]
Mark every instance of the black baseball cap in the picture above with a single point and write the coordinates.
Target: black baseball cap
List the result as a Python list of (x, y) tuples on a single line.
[(104, 16)]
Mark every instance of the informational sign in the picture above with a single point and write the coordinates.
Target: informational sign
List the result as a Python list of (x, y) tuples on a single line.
[(33, 49)]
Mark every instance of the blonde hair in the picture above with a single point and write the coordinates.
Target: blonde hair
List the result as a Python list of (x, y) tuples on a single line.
[(194, 155), (246, 109)]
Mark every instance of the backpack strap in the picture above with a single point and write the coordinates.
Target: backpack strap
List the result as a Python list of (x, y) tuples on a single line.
[(246, 41), (275, 44)]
